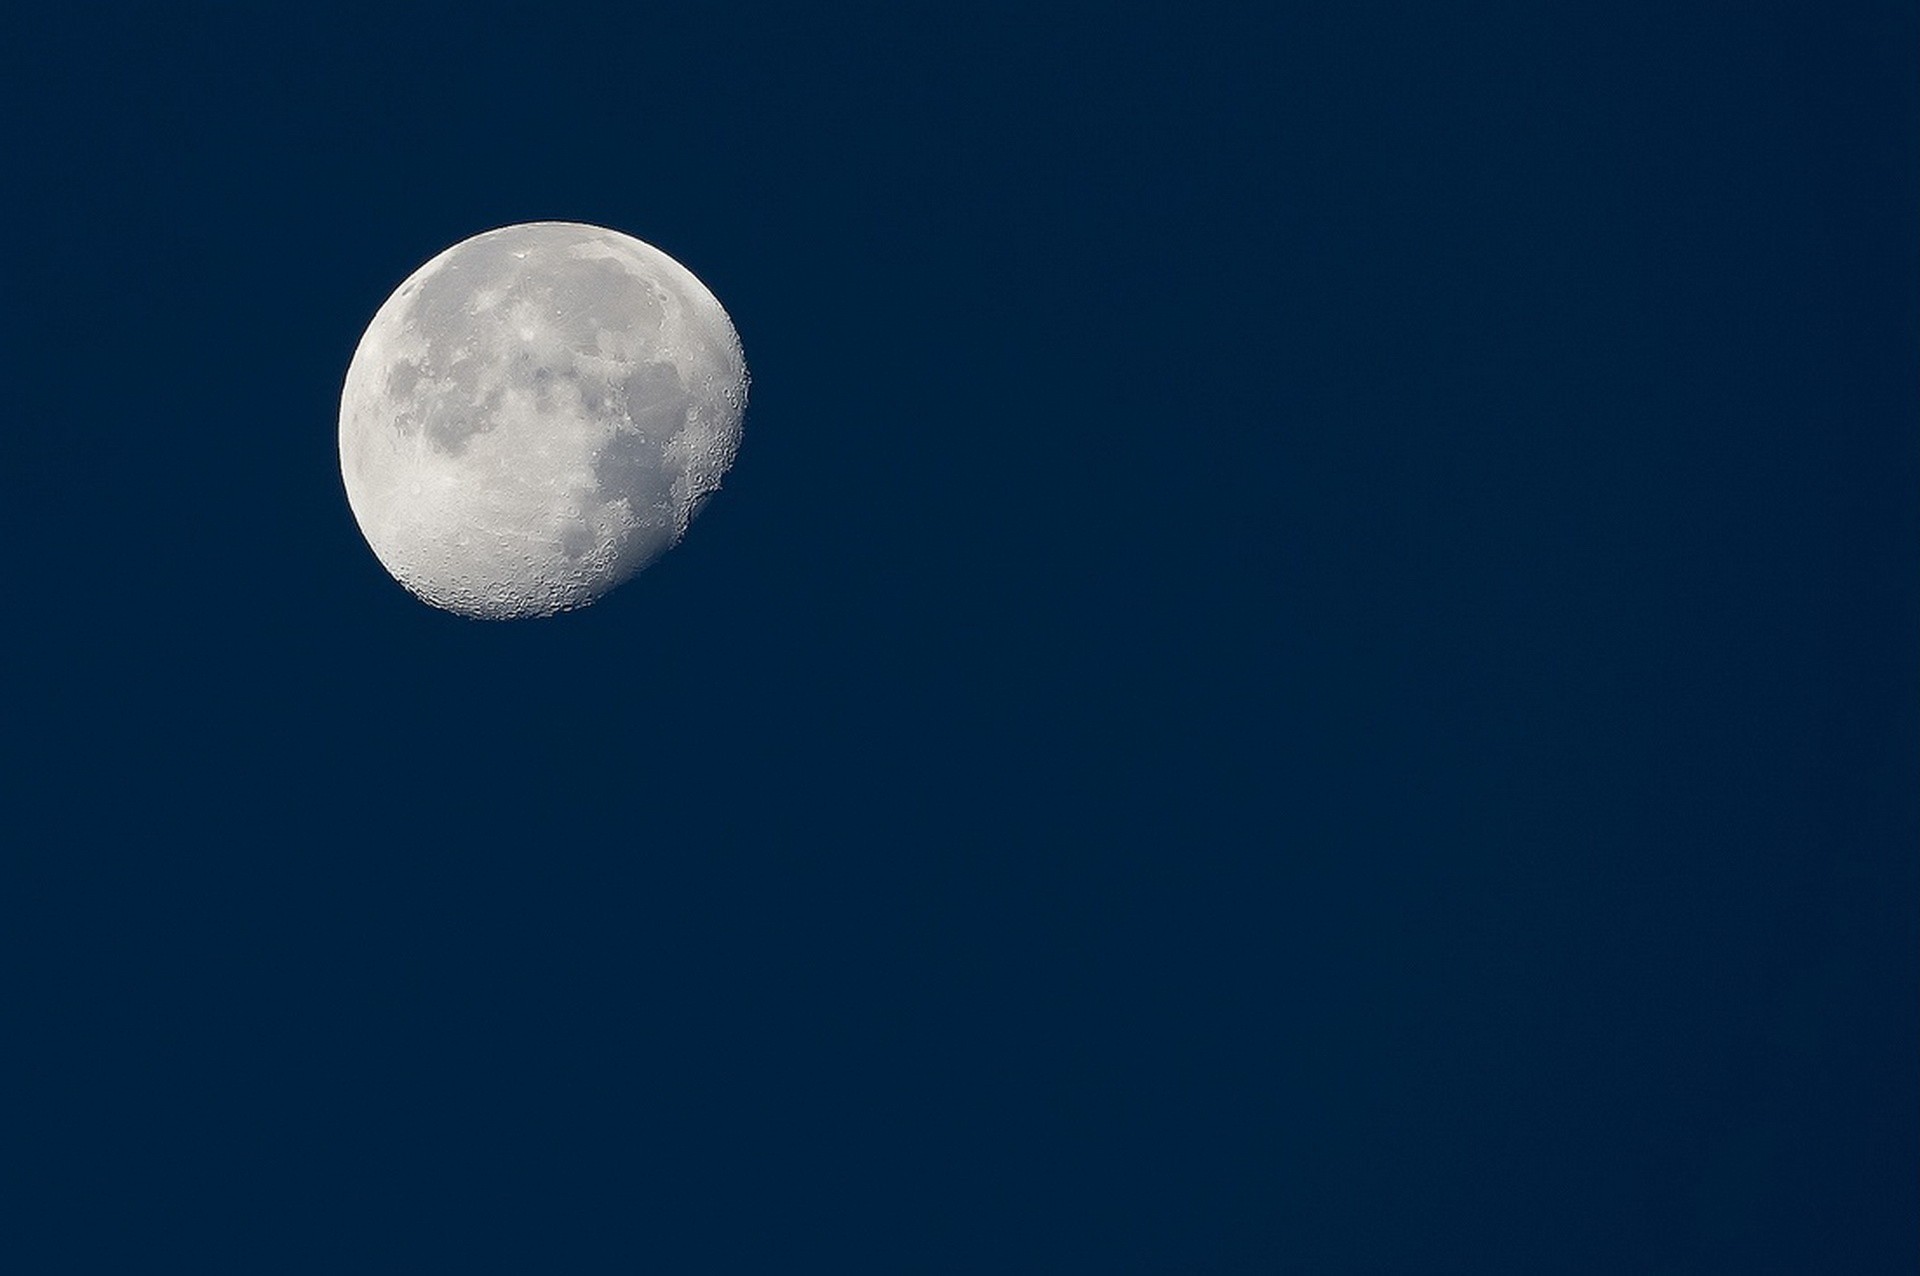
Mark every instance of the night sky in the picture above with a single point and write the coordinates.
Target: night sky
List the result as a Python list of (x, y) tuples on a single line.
[(1309, 664)]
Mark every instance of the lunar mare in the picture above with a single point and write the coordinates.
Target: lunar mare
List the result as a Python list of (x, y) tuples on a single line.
[(535, 415)]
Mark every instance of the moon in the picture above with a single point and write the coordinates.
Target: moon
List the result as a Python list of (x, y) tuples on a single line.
[(535, 415)]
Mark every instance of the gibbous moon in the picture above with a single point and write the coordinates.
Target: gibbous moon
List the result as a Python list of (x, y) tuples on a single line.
[(535, 415)]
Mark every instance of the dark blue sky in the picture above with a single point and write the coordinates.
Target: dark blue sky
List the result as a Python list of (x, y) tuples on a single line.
[(1309, 664)]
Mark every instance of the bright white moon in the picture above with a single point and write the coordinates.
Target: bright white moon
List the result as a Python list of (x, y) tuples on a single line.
[(535, 415)]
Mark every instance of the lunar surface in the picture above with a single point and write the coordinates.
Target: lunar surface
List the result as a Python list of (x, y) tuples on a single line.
[(535, 415)]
